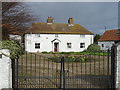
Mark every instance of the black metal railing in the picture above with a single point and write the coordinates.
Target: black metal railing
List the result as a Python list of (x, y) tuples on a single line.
[(90, 70)]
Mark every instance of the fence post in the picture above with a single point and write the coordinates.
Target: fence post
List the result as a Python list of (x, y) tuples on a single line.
[(62, 74)]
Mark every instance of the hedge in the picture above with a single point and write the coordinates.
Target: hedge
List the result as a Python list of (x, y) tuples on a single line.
[(13, 47)]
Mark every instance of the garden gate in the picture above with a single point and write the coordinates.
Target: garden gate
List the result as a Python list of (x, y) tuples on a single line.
[(64, 71)]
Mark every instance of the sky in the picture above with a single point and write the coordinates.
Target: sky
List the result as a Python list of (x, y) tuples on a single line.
[(94, 16), (60, 0), (73, 0)]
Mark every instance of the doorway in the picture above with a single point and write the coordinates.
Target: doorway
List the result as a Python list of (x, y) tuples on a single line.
[(56, 47)]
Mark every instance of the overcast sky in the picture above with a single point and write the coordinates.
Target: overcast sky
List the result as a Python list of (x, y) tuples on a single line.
[(92, 15)]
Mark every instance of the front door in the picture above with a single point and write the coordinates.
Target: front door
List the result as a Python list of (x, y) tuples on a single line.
[(56, 45)]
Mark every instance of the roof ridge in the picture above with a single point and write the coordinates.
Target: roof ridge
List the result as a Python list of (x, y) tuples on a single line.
[(112, 30)]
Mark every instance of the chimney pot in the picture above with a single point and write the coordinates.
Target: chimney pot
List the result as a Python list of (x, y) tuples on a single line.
[(50, 20)]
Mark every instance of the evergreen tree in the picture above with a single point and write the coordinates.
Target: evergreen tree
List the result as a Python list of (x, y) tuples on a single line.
[(96, 38)]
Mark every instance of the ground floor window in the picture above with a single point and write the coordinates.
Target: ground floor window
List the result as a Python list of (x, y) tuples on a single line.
[(82, 45), (68, 45), (37, 45), (102, 45)]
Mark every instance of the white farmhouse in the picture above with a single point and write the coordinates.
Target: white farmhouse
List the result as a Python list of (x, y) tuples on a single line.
[(57, 37), (109, 38)]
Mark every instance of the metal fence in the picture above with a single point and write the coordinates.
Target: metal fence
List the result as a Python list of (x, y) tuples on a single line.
[(90, 70)]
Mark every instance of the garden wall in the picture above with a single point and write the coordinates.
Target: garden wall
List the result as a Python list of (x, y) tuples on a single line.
[(5, 70)]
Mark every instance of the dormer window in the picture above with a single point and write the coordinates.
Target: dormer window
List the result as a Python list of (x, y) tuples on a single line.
[(82, 36), (56, 35), (37, 35)]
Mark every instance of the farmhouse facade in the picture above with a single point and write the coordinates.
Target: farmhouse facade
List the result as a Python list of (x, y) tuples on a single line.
[(109, 38), (57, 37)]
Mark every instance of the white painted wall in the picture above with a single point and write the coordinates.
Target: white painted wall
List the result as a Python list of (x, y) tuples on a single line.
[(47, 45), (107, 45), (5, 71)]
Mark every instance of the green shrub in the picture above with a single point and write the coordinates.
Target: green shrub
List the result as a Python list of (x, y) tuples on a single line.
[(93, 47), (70, 59), (55, 52), (13, 47), (55, 59), (45, 52), (66, 52), (62, 52)]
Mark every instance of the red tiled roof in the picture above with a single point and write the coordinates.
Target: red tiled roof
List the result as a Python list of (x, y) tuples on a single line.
[(110, 35)]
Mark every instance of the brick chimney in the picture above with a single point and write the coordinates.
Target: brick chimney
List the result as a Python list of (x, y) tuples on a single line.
[(70, 22), (49, 20)]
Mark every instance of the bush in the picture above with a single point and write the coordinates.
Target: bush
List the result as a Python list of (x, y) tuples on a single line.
[(13, 47), (45, 52), (93, 47), (55, 59)]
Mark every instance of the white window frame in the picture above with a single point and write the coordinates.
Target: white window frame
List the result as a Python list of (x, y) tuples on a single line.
[(82, 36), (82, 45), (37, 45), (37, 35), (69, 45)]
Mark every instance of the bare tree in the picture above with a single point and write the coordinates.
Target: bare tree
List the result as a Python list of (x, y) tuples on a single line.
[(16, 14)]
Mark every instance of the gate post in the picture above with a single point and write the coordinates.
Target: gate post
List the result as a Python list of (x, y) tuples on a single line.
[(116, 66), (5, 70), (62, 74), (13, 73), (113, 66)]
